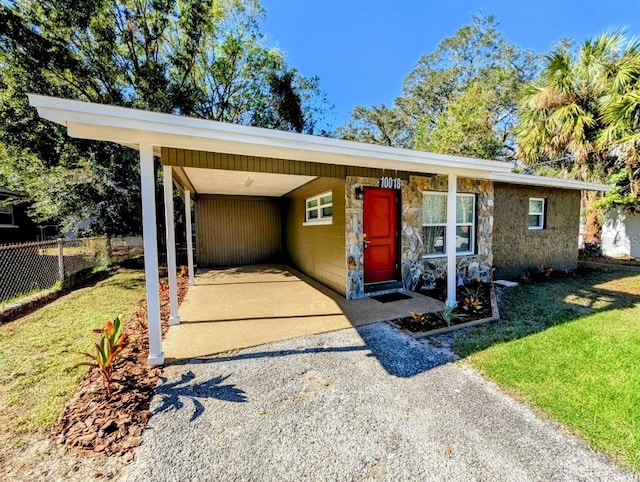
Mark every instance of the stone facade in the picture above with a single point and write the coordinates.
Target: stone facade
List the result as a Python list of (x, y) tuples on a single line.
[(420, 273), (353, 235)]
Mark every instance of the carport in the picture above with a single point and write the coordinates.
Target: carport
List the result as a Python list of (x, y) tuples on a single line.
[(240, 307)]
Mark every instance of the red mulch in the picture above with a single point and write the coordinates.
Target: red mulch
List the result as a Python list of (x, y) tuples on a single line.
[(91, 423)]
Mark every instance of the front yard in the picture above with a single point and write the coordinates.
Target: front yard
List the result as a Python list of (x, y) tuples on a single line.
[(37, 350), (571, 347)]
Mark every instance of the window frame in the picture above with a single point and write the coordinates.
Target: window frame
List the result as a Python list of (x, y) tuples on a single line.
[(472, 225), (543, 218), (321, 219), (8, 211)]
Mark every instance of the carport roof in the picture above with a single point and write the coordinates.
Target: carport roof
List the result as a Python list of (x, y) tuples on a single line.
[(130, 127)]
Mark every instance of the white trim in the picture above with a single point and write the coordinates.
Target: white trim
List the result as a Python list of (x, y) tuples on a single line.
[(472, 238), (322, 222), (149, 238), (540, 226), (450, 238), (321, 219), (126, 126), (170, 231), (189, 235), (9, 226), (543, 181)]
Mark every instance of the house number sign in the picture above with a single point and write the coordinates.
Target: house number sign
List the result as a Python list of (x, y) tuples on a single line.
[(390, 182)]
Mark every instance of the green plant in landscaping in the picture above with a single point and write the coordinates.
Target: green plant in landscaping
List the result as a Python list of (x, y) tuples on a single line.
[(113, 339), (472, 301), (448, 314)]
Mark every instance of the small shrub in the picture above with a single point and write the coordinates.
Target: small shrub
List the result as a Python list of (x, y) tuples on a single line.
[(183, 271), (472, 299), (113, 339), (448, 314)]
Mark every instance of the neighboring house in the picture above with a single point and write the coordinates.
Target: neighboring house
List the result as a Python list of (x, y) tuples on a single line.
[(621, 234), (15, 225), (359, 218)]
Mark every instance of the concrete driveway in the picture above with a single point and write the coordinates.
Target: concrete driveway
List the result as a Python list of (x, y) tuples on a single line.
[(365, 403)]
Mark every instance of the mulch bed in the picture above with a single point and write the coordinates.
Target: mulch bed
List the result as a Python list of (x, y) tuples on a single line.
[(91, 423), (423, 322)]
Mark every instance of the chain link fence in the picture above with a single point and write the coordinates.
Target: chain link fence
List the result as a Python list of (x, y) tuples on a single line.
[(28, 268)]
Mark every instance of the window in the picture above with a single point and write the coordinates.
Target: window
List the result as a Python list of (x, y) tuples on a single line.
[(434, 223), (536, 213), (6, 214), (319, 209)]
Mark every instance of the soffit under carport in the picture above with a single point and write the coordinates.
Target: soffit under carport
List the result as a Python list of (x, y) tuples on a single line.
[(243, 183)]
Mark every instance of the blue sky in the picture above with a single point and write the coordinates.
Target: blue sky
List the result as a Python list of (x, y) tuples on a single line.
[(362, 50)]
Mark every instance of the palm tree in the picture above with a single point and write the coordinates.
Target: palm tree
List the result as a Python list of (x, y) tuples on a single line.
[(562, 113)]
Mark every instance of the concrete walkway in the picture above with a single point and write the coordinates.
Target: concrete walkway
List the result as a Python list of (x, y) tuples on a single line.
[(367, 403), (236, 308)]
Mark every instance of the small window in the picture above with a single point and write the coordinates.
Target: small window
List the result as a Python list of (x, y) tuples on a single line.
[(319, 209), (536, 213), (434, 223), (6, 214)]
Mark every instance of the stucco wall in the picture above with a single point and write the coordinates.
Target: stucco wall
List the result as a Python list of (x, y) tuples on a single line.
[(621, 234), (516, 248), (318, 251)]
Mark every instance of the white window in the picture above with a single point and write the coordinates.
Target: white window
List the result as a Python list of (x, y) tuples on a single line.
[(319, 209), (6, 214), (434, 223), (536, 213)]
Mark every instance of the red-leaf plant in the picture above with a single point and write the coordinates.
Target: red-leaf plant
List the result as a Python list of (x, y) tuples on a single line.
[(108, 349)]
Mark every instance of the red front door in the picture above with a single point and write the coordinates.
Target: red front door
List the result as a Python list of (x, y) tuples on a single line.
[(380, 237)]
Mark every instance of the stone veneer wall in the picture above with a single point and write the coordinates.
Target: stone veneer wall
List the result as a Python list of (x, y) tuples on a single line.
[(420, 273), (353, 234)]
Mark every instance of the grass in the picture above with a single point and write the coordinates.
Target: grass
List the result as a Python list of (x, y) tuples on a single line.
[(37, 350), (571, 347)]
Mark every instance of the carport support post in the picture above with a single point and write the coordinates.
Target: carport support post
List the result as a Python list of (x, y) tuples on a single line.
[(150, 240), (174, 318), (187, 216), (452, 272)]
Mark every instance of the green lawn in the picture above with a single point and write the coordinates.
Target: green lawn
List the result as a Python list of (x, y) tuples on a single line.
[(571, 347), (36, 350)]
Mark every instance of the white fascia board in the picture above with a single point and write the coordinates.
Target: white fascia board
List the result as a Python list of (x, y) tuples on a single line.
[(555, 182), (189, 133)]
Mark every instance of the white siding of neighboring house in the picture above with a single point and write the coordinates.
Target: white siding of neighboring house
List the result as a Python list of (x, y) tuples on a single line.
[(621, 234)]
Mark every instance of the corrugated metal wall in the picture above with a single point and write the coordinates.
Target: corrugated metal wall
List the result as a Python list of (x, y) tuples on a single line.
[(234, 230)]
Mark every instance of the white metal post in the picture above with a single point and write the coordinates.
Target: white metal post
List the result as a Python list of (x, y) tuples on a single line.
[(452, 272), (149, 236), (187, 216), (61, 260), (174, 318)]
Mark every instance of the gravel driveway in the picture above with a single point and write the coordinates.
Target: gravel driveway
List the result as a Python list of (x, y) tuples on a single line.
[(365, 404)]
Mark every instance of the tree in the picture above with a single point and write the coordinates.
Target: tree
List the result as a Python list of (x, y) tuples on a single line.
[(571, 115), (188, 57), (460, 98)]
